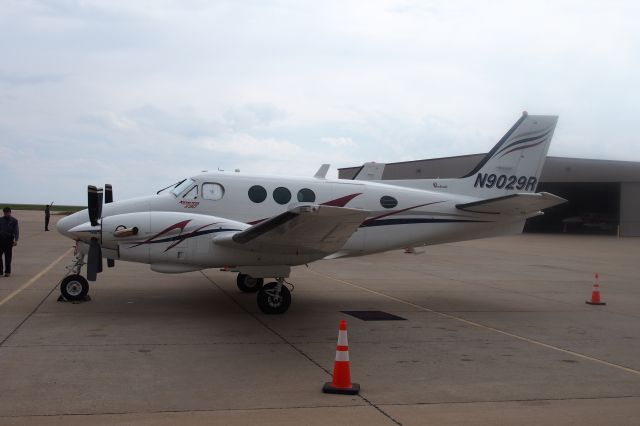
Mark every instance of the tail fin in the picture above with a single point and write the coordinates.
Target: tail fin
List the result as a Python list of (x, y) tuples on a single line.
[(513, 166), (515, 163)]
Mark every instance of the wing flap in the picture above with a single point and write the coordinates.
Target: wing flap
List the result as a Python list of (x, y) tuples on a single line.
[(522, 204), (309, 229)]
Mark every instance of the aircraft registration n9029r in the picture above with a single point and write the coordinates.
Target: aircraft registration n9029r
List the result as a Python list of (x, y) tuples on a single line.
[(260, 226)]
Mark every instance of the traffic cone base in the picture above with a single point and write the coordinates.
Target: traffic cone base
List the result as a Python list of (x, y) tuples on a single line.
[(595, 294), (341, 383), (330, 388)]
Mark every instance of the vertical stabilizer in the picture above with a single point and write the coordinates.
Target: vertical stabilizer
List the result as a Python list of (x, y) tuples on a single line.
[(515, 162), (513, 165)]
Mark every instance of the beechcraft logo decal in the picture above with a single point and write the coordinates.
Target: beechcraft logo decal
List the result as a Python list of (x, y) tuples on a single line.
[(182, 235)]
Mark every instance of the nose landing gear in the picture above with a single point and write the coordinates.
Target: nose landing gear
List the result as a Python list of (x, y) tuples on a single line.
[(74, 287)]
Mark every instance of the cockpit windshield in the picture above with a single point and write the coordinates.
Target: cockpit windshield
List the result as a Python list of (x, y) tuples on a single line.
[(181, 186)]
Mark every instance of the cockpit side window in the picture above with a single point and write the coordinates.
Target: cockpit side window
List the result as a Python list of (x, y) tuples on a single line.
[(182, 186), (192, 193), (212, 191)]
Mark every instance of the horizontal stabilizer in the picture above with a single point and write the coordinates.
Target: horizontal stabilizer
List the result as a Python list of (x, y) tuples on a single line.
[(322, 171), (370, 171), (309, 229), (514, 204)]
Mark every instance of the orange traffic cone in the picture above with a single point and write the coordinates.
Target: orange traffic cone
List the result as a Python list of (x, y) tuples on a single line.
[(341, 372), (595, 294)]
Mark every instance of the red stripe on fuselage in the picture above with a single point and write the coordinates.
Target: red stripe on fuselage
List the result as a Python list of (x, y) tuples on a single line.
[(338, 202)]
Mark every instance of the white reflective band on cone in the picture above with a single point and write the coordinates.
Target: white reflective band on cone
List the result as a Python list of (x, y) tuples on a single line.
[(342, 338), (342, 355)]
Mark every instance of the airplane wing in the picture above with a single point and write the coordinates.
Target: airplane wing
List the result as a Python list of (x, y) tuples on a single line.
[(308, 229), (514, 204)]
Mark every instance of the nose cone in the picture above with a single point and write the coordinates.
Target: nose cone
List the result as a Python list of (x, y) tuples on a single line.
[(66, 224)]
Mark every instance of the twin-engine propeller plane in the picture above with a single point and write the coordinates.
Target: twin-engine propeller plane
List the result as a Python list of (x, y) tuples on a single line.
[(260, 226)]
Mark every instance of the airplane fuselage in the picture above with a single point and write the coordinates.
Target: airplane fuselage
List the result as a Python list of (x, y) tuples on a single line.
[(398, 217)]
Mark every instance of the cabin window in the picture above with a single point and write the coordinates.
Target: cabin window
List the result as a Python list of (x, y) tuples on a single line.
[(257, 194), (388, 202), (212, 191), (305, 195), (192, 193), (281, 195)]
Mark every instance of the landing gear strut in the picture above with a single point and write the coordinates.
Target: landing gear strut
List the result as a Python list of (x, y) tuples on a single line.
[(248, 284), (74, 286), (274, 298)]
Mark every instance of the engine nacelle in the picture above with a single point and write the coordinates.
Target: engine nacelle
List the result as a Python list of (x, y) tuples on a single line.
[(164, 237)]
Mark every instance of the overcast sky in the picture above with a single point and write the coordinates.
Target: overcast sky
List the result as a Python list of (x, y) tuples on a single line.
[(143, 93)]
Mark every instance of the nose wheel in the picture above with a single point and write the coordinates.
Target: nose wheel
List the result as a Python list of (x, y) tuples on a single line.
[(274, 298), (74, 287)]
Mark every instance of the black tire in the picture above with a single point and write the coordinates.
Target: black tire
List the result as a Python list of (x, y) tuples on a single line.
[(248, 284), (74, 287), (269, 303)]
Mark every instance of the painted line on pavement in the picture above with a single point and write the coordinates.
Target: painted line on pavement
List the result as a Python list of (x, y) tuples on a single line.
[(482, 326), (35, 278)]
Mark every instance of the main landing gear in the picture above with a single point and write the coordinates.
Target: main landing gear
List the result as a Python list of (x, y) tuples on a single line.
[(273, 298), (75, 287), (248, 284)]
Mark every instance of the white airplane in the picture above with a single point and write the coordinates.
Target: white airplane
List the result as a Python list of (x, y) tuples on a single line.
[(260, 226)]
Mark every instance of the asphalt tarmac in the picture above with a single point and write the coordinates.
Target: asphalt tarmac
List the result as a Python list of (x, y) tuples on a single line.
[(494, 331)]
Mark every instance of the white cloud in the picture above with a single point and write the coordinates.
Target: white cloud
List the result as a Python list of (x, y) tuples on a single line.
[(243, 144), (147, 91), (339, 142)]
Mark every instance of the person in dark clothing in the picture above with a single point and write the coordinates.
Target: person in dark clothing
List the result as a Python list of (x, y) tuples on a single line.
[(47, 215), (9, 234)]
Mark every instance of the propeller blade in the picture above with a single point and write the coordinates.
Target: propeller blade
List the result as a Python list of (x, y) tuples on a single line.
[(111, 263), (94, 198), (108, 194), (99, 259), (93, 261)]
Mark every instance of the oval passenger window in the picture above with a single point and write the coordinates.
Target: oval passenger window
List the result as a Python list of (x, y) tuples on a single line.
[(281, 195), (257, 194), (388, 202), (306, 195)]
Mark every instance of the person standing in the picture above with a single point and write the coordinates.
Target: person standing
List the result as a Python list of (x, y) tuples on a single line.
[(47, 215), (9, 234)]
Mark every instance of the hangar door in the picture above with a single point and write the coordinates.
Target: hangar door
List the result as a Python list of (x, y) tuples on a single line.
[(593, 208), (630, 209)]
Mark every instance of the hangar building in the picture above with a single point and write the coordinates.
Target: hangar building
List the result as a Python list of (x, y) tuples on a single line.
[(604, 195)]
